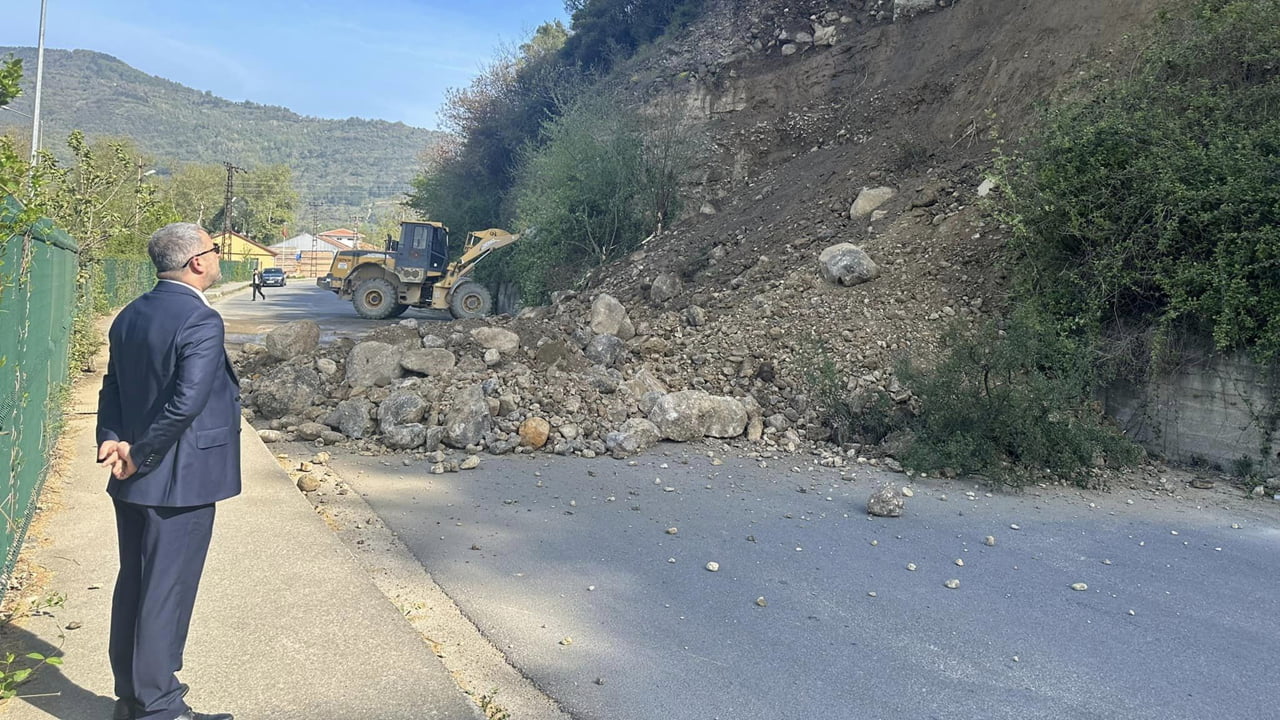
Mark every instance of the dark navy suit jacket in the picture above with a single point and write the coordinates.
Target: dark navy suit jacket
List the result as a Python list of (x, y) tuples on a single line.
[(170, 392)]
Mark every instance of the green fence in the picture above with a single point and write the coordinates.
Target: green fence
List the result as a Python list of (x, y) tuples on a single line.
[(237, 270), (120, 280), (38, 269)]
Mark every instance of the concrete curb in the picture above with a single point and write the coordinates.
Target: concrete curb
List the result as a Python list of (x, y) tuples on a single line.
[(215, 293)]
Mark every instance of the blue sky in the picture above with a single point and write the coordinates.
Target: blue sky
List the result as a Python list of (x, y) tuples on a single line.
[(388, 59)]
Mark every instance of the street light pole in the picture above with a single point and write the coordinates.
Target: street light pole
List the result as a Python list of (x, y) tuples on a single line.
[(35, 114)]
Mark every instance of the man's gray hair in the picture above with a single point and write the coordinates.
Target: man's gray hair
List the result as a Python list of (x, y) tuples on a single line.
[(172, 246)]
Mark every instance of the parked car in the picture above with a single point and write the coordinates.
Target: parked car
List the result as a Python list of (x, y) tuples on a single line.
[(273, 277)]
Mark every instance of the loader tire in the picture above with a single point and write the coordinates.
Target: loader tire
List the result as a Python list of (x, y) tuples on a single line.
[(400, 310), (375, 299), (470, 300)]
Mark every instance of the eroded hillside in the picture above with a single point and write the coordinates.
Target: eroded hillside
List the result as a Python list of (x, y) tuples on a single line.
[(800, 108)]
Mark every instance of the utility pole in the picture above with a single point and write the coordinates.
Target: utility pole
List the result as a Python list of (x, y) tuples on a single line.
[(226, 206), (35, 113), (137, 199), (315, 231)]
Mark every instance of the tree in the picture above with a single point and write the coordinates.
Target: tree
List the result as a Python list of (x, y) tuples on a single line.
[(669, 149), (104, 199), (272, 202), (265, 200), (595, 188), (606, 31), (12, 167), (196, 192), (466, 181), (547, 39)]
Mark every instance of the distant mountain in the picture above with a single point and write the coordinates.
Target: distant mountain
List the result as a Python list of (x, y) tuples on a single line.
[(343, 164)]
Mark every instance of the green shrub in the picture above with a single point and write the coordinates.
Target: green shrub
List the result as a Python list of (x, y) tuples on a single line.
[(866, 417), (1154, 200), (1010, 402), (599, 183), (608, 31)]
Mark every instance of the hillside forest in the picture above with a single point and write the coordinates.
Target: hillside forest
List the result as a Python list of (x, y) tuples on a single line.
[(341, 169)]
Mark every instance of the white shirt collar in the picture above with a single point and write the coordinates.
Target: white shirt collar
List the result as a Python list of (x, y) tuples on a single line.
[(193, 288)]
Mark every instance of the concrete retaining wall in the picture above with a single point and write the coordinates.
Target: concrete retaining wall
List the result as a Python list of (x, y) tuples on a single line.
[(1213, 408)]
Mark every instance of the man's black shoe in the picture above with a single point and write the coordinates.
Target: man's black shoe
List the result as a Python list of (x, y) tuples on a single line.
[(193, 715), (124, 708)]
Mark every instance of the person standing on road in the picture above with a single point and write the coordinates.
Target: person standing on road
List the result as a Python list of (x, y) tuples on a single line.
[(256, 282), (169, 431)]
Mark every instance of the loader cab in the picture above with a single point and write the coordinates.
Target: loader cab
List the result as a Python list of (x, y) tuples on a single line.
[(421, 245)]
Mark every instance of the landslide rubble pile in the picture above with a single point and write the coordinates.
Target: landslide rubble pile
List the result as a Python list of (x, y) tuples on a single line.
[(572, 378), (727, 357)]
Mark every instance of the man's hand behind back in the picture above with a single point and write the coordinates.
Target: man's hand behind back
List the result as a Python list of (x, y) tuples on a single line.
[(114, 455)]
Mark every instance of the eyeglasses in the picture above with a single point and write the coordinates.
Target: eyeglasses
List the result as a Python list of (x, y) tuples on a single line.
[(215, 249)]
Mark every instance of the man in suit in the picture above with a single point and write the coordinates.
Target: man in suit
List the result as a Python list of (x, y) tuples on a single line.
[(169, 431)]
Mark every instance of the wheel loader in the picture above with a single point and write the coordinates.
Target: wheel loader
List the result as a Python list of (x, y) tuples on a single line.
[(415, 271)]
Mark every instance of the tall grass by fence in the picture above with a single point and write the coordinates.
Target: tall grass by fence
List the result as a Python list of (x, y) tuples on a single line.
[(38, 267)]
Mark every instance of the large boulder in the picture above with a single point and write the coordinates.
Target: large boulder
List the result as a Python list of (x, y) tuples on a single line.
[(824, 35), (604, 380), (908, 8), (431, 361), (553, 352), (869, 200), (373, 364), (665, 287), (726, 417), (311, 430), (353, 418), (678, 416), (493, 338), (404, 437), (434, 434), (885, 502), (293, 339), (609, 317), (288, 389), (434, 341), (693, 414), (534, 432), (468, 419), (401, 407), (644, 382), (326, 367), (847, 264), (635, 435), (695, 316), (604, 350)]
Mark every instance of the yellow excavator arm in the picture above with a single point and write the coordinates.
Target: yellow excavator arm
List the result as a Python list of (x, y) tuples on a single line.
[(479, 244)]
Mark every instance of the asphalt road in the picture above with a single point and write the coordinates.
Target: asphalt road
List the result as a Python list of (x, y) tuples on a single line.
[(1181, 618), (567, 567), (248, 320)]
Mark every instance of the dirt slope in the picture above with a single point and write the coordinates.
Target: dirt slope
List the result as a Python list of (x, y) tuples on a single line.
[(799, 107), (916, 104)]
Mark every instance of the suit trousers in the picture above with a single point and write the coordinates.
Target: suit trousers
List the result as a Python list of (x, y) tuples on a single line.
[(162, 555)]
